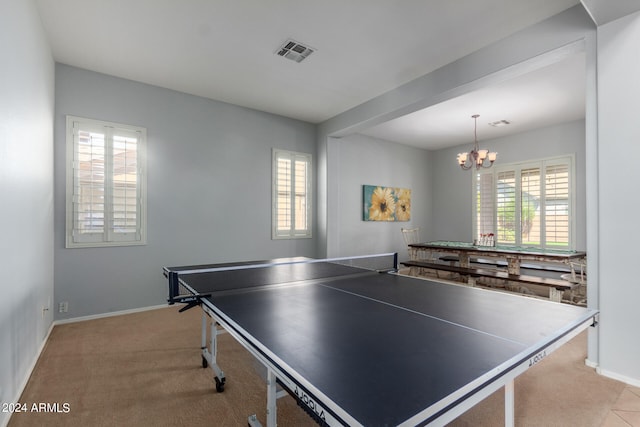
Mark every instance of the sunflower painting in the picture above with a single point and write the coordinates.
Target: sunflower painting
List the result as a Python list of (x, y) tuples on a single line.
[(386, 203)]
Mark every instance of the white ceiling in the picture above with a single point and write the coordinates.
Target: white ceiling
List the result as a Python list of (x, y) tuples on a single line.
[(545, 97), (225, 50)]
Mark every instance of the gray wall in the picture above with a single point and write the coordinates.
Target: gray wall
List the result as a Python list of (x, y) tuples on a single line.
[(619, 228), (208, 189), (432, 176), (26, 194), (357, 160), (452, 216)]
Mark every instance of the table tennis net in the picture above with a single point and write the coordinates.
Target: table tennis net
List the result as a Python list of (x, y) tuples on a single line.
[(228, 277), (379, 262)]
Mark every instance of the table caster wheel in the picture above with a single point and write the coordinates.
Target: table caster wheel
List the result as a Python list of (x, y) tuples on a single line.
[(219, 385)]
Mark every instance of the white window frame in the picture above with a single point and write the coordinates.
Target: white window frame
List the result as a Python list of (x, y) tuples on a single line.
[(568, 159), (108, 237), (291, 232)]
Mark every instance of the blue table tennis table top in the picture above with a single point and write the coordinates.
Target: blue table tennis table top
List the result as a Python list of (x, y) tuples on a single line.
[(378, 349)]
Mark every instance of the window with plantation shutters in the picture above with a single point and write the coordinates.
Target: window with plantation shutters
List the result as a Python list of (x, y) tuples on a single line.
[(105, 184), (527, 204), (291, 195)]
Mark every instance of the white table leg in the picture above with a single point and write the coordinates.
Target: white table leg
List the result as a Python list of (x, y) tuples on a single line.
[(509, 404), (271, 399), (205, 319)]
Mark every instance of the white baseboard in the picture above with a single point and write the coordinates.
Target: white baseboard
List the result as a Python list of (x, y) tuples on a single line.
[(615, 376), (110, 314), (591, 364)]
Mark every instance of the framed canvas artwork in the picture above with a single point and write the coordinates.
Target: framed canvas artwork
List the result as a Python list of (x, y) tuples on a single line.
[(386, 203)]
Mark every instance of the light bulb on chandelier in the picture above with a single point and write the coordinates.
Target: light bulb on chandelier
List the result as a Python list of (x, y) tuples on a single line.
[(477, 157)]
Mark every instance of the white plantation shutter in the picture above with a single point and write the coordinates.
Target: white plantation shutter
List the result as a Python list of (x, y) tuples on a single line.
[(125, 192), (291, 194), (301, 186), (88, 206), (506, 212), (529, 204), (556, 204), (530, 191), (105, 183), (284, 178), (485, 204)]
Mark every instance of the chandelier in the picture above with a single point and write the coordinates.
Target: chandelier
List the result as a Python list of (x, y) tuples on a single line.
[(476, 156)]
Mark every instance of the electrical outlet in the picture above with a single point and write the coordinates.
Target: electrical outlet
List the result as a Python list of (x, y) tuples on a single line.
[(63, 307)]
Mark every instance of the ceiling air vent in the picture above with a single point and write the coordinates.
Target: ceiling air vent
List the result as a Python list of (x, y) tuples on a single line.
[(295, 51), (499, 123)]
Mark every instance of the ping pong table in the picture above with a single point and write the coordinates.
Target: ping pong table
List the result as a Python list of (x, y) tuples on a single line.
[(365, 346)]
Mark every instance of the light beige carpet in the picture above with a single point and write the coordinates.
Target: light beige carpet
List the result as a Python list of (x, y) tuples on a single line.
[(144, 369)]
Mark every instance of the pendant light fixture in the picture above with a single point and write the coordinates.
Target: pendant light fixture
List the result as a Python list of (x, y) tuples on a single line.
[(477, 157)]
